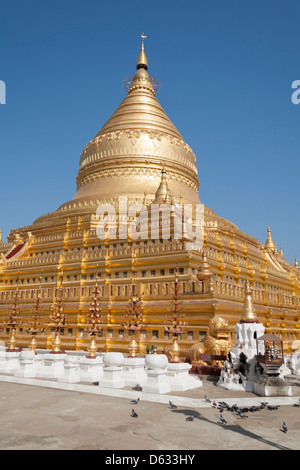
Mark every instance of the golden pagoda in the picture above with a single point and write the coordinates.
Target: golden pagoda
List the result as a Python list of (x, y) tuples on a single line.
[(139, 159)]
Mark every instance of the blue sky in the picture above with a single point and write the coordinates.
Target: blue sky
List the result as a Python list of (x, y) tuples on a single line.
[(226, 70)]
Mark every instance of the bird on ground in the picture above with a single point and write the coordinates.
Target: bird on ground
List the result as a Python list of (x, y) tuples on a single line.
[(214, 403), (137, 387), (233, 407), (207, 399), (223, 404), (284, 427), (254, 408), (222, 419), (297, 403), (190, 418), (273, 407), (264, 403), (135, 401), (172, 405), (134, 414), (242, 415)]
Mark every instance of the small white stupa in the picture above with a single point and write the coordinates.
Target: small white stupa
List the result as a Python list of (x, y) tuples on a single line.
[(239, 372)]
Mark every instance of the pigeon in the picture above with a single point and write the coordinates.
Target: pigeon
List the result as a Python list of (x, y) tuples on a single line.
[(135, 401), (264, 403), (172, 405), (242, 415), (207, 399), (222, 419), (214, 403), (254, 408), (134, 414), (297, 403), (232, 408), (273, 407), (190, 418), (284, 427), (137, 387)]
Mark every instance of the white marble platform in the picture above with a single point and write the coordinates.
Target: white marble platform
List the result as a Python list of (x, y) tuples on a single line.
[(149, 397), (179, 378)]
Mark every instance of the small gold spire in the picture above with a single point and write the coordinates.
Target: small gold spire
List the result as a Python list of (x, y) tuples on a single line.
[(204, 271), (281, 251), (142, 59), (249, 314), (296, 264), (163, 194), (270, 245)]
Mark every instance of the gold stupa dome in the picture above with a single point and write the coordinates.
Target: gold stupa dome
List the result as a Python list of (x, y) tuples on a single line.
[(129, 151), (127, 155)]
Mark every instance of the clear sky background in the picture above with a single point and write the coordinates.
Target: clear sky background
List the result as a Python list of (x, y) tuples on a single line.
[(226, 70)]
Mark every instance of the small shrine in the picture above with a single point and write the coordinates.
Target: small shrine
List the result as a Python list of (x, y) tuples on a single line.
[(270, 358)]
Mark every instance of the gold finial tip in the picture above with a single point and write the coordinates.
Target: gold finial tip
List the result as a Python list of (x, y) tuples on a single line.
[(142, 59)]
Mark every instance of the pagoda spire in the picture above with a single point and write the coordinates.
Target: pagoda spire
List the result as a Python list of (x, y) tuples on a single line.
[(270, 245), (163, 194), (249, 314), (142, 59), (281, 251), (204, 271)]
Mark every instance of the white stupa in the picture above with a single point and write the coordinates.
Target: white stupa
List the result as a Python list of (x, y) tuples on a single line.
[(239, 372)]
